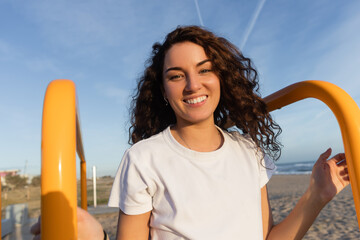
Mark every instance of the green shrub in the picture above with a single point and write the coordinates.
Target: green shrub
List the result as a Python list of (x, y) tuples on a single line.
[(16, 181), (36, 181)]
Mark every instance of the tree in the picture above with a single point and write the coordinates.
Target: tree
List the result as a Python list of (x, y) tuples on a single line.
[(16, 181), (35, 181)]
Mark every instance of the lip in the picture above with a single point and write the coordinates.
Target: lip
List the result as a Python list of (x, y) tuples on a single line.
[(196, 100)]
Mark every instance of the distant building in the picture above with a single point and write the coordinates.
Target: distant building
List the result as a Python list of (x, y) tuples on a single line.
[(4, 173)]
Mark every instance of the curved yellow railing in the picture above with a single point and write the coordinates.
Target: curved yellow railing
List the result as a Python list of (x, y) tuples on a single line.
[(60, 137), (0, 208), (346, 112), (81, 154), (59, 141)]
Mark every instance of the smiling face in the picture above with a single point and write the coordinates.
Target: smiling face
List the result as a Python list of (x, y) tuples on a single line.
[(190, 85)]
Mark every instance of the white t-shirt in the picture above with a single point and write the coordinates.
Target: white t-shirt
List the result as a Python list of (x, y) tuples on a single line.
[(194, 195)]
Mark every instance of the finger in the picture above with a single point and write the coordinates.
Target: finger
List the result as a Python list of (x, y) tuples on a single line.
[(341, 163), (344, 172), (339, 157), (37, 237), (325, 155), (35, 229)]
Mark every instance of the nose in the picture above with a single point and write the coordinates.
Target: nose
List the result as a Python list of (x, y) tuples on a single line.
[(193, 83)]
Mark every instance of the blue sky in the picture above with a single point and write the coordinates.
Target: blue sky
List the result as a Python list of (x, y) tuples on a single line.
[(102, 46)]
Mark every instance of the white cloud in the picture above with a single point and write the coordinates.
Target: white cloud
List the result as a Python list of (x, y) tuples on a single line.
[(9, 52), (309, 128), (198, 12), (4, 48), (119, 95), (340, 61), (252, 22), (42, 65)]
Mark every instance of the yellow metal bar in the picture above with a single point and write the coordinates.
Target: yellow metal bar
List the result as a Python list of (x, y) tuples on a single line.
[(347, 114), (58, 168), (0, 208), (81, 154), (83, 185)]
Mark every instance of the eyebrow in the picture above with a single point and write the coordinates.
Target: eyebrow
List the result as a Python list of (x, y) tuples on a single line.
[(179, 68)]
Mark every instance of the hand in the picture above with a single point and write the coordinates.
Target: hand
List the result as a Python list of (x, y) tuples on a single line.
[(35, 229), (329, 177), (88, 227)]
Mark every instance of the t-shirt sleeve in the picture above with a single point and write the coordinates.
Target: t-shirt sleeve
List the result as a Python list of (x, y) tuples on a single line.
[(267, 169), (130, 190)]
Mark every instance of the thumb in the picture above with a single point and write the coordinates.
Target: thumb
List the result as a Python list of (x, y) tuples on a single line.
[(325, 155)]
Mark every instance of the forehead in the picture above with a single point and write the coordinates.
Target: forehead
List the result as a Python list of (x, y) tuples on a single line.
[(184, 53)]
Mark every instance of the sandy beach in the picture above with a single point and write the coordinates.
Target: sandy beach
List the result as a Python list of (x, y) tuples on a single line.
[(336, 221)]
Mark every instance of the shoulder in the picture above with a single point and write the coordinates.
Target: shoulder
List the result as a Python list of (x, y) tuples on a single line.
[(147, 147), (148, 143), (246, 143), (243, 139), (265, 164)]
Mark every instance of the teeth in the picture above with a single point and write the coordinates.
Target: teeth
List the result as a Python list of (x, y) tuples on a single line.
[(195, 100)]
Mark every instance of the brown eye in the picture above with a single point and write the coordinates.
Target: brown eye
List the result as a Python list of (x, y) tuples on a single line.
[(175, 77), (205, 70)]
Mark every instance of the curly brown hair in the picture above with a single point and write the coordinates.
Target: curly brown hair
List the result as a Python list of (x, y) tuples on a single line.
[(240, 102)]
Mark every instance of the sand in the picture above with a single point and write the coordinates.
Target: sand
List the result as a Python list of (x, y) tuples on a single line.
[(336, 221)]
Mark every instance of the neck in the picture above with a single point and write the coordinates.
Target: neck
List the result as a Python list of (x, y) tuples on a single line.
[(201, 138)]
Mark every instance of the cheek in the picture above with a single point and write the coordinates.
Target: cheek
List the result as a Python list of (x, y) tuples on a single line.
[(216, 86), (169, 92), (217, 90), (174, 88), (165, 90)]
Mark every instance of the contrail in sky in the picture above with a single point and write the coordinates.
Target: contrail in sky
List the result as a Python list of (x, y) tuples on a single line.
[(252, 22), (198, 12)]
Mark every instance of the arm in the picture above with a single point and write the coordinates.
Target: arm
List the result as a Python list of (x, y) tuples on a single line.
[(134, 227), (267, 217), (296, 224), (130, 227), (328, 178)]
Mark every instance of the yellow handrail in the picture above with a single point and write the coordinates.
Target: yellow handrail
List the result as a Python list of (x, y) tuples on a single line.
[(60, 137), (81, 154), (346, 112), (0, 209), (59, 187)]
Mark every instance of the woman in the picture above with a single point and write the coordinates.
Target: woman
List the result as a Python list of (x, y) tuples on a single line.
[(188, 176)]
